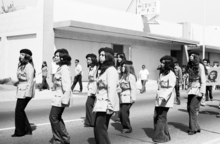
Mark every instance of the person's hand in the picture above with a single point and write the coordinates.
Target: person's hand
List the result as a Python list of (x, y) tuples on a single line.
[(108, 111)]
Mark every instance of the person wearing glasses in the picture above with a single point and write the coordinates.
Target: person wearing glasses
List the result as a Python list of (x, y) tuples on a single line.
[(78, 76), (164, 100), (107, 100)]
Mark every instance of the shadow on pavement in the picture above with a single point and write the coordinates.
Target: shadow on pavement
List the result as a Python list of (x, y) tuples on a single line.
[(214, 106), (117, 126), (91, 141), (209, 112), (182, 110), (179, 126), (33, 126), (149, 132)]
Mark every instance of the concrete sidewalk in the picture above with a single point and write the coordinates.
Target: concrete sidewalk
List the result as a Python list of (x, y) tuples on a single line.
[(7, 92)]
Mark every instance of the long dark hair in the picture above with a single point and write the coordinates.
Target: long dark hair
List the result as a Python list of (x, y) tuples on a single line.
[(93, 59), (27, 59), (129, 69), (109, 61), (194, 65), (123, 57), (168, 66), (65, 58)]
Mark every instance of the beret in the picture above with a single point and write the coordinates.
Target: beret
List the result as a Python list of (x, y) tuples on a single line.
[(166, 58), (26, 51), (91, 55), (106, 49)]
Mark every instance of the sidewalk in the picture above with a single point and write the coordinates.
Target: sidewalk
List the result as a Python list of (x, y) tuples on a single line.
[(7, 92)]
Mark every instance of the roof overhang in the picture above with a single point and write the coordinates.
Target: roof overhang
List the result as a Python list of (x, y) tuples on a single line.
[(119, 32), (208, 48)]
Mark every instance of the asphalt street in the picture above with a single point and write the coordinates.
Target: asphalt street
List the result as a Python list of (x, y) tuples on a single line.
[(141, 119)]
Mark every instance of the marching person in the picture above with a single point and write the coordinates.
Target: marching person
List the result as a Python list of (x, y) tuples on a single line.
[(127, 95), (54, 68), (196, 90), (25, 92), (78, 76), (143, 75), (107, 101), (62, 97), (208, 94), (178, 73), (44, 72), (92, 87), (164, 99)]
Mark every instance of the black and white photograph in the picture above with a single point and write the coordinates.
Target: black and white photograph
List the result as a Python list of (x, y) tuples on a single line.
[(109, 71)]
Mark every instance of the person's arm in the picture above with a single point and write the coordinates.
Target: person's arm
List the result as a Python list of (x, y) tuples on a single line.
[(148, 75), (65, 79), (29, 70), (112, 82), (203, 79), (132, 80)]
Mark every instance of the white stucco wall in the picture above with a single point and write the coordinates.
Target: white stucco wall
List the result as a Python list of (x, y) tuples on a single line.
[(78, 50), (83, 12), (18, 30)]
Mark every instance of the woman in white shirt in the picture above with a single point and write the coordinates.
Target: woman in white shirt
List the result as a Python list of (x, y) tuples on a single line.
[(92, 87), (107, 101), (164, 99), (127, 95), (62, 97)]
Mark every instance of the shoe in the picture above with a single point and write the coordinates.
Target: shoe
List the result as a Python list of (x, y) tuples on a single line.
[(198, 131), (218, 116), (29, 133), (126, 131), (15, 135), (191, 133), (88, 126)]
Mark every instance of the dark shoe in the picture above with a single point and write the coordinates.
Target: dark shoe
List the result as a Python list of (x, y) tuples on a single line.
[(15, 135), (85, 125), (191, 133), (218, 116), (198, 131), (29, 133)]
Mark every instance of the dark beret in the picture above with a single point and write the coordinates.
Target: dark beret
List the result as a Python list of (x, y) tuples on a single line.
[(194, 52), (106, 49), (26, 51), (166, 58), (91, 55)]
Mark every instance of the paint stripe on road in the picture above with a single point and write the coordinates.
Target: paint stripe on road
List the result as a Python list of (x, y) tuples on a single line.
[(215, 141), (43, 124)]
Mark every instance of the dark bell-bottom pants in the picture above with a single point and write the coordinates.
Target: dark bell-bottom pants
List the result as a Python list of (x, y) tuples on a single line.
[(22, 125), (101, 128), (177, 89), (161, 132), (60, 134), (90, 116), (124, 115), (193, 106), (208, 93)]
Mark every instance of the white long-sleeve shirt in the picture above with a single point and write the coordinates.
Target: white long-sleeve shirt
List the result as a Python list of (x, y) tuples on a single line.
[(78, 69)]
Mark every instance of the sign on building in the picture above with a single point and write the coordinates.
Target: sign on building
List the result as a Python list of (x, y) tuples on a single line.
[(148, 7)]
